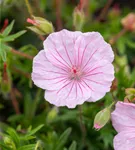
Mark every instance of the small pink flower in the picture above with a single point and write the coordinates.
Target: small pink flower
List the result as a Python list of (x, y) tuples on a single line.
[(123, 120), (74, 67)]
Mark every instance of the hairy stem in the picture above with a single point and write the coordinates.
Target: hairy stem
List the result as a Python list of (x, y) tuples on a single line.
[(27, 75), (21, 54), (117, 36), (82, 126), (105, 10), (14, 101), (29, 7), (35, 102), (58, 14)]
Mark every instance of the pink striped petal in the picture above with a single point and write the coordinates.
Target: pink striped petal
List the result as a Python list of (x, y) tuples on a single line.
[(123, 117), (125, 140), (100, 78), (91, 47), (45, 75), (59, 47), (70, 95)]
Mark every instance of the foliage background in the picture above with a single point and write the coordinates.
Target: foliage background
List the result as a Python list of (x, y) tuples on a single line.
[(27, 121)]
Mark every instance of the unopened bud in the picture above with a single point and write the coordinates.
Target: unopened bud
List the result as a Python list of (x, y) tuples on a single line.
[(129, 99), (129, 22), (130, 91), (8, 141), (52, 114), (40, 25), (114, 12), (78, 18), (102, 117), (130, 95)]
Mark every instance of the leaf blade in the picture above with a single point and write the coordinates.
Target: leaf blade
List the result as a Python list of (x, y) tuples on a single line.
[(8, 29)]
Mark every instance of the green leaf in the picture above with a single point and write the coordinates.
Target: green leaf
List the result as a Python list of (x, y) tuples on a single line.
[(4, 146), (27, 147), (8, 29), (2, 51), (121, 45), (34, 130), (15, 118), (14, 136), (1, 36), (62, 140), (131, 44), (38, 146), (14, 36), (73, 146)]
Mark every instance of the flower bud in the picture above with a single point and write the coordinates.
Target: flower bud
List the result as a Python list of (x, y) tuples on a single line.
[(114, 11), (129, 22), (129, 99), (52, 114), (78, 18), (102, 117), (8, 141), (130, 91), (130, 95), (41, 25)]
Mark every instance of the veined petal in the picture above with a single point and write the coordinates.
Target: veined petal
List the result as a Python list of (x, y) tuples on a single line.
[(91, 47), (45, 75), (59, 47), (125, 140), (100, 77), (123, 117), (70, 95)]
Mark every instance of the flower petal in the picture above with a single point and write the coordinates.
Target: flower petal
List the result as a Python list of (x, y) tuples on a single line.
[(70, 95), (125, 140), (59, 47), (91, 47), (45, 75), (123, 117), (100, 77)]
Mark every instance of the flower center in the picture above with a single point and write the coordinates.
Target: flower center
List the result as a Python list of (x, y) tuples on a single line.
[(75, 73)]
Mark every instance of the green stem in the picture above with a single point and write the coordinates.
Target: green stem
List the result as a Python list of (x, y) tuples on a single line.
[(35, 103), (29, 7), (82, 126)]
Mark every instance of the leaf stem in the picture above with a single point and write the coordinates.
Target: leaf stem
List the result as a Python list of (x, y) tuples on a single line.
[(25, 74), (35, 102), (21, 54), (104, 10), (82, 126), (58, 14), (117, 36), (29, 7), (14, 101)]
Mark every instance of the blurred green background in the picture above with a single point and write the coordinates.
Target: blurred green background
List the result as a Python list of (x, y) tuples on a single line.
[(29, 122)]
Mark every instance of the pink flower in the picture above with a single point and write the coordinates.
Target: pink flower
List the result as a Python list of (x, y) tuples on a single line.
[(74, 67), (123, 120)]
